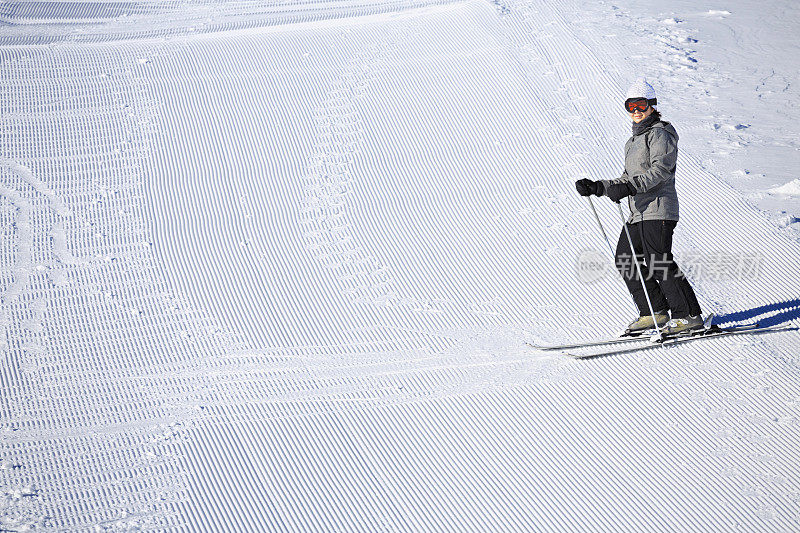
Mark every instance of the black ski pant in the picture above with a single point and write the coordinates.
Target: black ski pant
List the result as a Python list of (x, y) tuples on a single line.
[(666, 285)]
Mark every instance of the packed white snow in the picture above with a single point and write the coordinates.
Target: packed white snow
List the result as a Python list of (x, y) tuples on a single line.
[(789, 189), (271, 266)]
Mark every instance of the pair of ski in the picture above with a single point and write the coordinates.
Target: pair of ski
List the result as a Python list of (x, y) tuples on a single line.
[(622, 344)]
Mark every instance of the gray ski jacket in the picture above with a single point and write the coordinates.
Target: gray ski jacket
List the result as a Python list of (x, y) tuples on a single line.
[(650, 159)]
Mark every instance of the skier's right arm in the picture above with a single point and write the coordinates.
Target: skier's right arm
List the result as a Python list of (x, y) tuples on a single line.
[(624, 177), (619, 188)]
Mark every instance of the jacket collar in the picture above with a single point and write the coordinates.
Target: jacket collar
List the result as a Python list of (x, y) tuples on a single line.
[(644, 125)]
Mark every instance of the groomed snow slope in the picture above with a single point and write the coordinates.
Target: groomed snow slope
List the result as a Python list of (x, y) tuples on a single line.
[(270, 267)]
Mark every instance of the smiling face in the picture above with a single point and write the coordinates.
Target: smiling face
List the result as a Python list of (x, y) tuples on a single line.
[(638, 116)]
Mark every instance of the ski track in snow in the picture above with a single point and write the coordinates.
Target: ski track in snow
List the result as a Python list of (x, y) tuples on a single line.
[(270, 267)]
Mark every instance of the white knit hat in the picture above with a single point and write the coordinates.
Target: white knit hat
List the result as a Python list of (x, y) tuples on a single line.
[(641, 89)]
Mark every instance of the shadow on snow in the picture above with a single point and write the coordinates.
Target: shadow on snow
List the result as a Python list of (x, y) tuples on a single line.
[(788, 310)]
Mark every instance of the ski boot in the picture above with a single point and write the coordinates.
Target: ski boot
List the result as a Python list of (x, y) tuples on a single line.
[(645, 323), (687, 325)]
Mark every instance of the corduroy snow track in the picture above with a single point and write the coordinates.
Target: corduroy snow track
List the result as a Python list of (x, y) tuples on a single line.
[(270, 267)]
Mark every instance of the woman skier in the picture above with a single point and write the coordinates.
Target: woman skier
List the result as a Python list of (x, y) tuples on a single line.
[(649, 182)]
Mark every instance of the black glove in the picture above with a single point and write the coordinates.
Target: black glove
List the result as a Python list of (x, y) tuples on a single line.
[(588, 187), (618, 191)]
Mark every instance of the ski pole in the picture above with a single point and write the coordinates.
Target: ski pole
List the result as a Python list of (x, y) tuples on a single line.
[(608, 241), (602, 230), (639, 270)]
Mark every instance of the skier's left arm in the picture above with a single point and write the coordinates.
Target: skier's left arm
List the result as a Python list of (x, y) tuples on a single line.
[(663, 156)]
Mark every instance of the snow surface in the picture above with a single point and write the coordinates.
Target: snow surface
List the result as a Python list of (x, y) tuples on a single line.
[(789, 189), (271, 267)]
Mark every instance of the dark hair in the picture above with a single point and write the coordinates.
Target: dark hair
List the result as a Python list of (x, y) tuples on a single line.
[(656, 114)]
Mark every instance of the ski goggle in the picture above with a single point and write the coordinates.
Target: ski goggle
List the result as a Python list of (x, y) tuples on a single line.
[(638, 104)]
